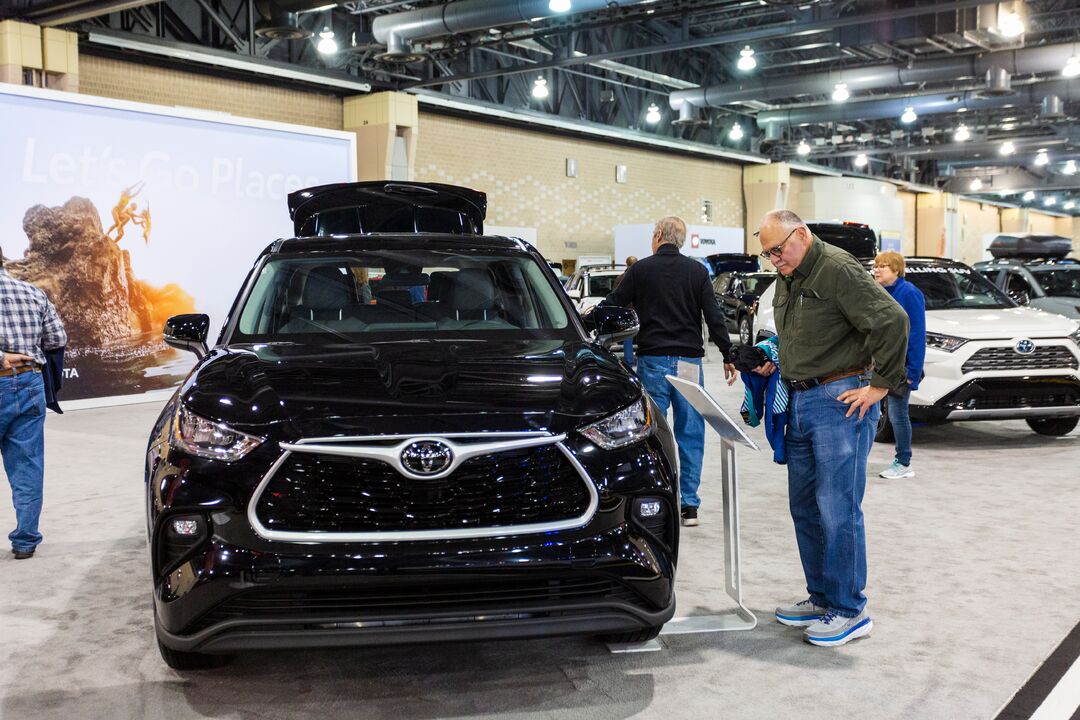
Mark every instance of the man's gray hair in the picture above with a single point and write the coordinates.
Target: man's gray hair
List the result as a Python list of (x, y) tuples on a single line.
[(672, 230), (785, 218)]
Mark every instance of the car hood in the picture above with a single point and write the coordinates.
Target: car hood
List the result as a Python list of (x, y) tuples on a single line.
[(419, 386), (1062, 305), (1003, 323)]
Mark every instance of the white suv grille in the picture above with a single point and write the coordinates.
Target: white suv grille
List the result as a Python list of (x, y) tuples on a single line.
[(1045, 357)]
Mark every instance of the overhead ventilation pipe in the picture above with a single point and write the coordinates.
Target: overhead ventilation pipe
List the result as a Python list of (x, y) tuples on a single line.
[(1017, 63)]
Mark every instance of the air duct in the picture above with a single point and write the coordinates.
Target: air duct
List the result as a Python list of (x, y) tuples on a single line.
[(1052, 108), (1026, 61), (998, 83), (688, 115), (958, 151)]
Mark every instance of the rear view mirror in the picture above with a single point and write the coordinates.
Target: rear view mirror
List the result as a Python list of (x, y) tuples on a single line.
[(188, 332), (611, 324)]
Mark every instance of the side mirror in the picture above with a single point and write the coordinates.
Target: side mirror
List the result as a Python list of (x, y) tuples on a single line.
[(574, 294), (610, 324), (188, 332)]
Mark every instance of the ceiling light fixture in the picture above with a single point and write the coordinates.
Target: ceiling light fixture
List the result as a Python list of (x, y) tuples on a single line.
[(909, 115), (653, 115), (1069, 205), (1050, 201), (1072, 67), (976, 185), (1041, 158), (327, 44), (1070, 168), (559, 6), (1029, 196), (746, 59), (861, 160), (962, 133), (803, 149), (1008, 126), (540, 89), (1010, 25), (736, 132), (1007, 148), (840, 93)]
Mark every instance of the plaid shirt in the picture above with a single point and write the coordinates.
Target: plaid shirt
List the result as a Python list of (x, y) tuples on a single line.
[(28, 320)]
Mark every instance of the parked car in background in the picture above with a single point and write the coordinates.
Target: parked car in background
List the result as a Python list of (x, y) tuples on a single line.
[(592, 283), (1051, 284), (459, 459), (737, 293), (986, 357), (857, 238)]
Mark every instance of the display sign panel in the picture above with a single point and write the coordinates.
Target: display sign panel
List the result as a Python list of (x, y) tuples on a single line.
[(126, 214)]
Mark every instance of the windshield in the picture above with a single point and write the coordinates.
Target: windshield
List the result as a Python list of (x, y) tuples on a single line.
[(955, 287), (601, 285), (757, 284), (1060, 281), (363, 295)]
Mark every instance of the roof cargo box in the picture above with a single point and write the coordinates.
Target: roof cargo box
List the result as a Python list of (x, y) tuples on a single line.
[(1027, 245)]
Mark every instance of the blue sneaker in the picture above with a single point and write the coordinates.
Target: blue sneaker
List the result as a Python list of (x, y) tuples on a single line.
[(801, 614), (833, 629)]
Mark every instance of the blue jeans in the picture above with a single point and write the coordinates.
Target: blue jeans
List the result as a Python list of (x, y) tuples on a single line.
[(628, 351), (689, 425), (897, 406), (826, 480), (22, 444)]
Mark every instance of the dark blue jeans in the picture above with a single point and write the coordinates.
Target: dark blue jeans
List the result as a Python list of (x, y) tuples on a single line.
[(689, 425), (826, 480), (22, 444), (897, 407), (628, 351)]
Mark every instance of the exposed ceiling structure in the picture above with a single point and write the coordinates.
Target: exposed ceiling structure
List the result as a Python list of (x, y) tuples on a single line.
[(868, 87)]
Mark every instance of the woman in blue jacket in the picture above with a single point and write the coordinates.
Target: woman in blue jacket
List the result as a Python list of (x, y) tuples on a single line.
[(889, 272)]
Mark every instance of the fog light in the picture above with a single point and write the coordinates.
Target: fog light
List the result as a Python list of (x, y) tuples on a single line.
[(649, 508), (186, 526)]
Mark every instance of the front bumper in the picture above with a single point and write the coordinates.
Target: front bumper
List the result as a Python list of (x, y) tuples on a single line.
[(997, 398)]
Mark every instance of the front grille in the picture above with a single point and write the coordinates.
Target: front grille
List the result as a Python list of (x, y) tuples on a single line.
[(388, 600), (334, 494), (1007, 394), (1045, 357)]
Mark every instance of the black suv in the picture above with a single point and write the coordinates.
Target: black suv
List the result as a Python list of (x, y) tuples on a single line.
[(405, 433)]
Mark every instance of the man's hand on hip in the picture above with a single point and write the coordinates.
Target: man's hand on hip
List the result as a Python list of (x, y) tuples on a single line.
[(862, 399), (14, 360)]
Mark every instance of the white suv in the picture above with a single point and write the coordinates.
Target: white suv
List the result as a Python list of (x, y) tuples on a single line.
[(592, 283), (986, 357)]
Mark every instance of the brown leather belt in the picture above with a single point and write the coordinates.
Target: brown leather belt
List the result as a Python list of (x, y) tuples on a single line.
[(19, 370), (825, 379)]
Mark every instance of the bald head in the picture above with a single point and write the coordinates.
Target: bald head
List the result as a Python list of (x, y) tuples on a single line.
[(785, 237)]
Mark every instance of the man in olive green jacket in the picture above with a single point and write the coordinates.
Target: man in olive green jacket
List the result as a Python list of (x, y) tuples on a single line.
[(842, 343)]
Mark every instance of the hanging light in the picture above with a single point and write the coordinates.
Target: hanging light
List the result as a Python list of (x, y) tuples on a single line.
[(1050, 201), (840, 93), (1072, 67), (861, 160), (975, 185), (1069, 205), (909, 115), (653, 115), (540, 88), (1070, 168), (803, 149), (736, 132), (962, 133), (1041, 158), (746, 59), (1010, 25), (559, 6), (327, 44), (1029, 196), (1007, 148)]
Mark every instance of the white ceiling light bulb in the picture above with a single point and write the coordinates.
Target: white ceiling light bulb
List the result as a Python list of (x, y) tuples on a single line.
[(736, 132), (1050, 201), (653, 116), (976, 185), (1029, 196), (746, 59), (559, 6), (327, 44), (1070, 168), (861, 160), (1010, 25), (803, 149), (909, 115), (840, 92), (1007, 148), (540, 89), (1069, 205), (1041, 158), (1072, 67), (962, 133)]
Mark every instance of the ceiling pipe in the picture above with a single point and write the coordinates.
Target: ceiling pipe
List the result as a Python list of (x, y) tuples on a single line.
[(69, 11), (936, 103), (963, 151), (1025, 61), (1020, 159)]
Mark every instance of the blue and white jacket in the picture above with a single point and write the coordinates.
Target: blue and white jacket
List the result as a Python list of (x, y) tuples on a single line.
[(767, 399)]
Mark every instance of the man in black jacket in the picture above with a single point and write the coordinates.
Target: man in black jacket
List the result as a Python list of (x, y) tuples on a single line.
[(671, 293)]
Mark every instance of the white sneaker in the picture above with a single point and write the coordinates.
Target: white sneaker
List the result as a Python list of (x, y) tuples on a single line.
[(832, 630), (897, 471)]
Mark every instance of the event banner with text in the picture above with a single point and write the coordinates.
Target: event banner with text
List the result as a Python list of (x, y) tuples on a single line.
[(127, 214)]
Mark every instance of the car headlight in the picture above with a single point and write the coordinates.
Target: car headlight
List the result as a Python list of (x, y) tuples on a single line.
[(195, 434), (1075, 334), (948, 343), (625, 427)]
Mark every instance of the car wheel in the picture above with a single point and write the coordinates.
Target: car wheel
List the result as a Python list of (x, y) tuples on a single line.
[(1054, 427), (636, 636), (180, 660), (746, 331), (884, 427)]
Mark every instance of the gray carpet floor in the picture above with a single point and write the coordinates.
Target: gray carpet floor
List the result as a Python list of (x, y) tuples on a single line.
[(973, 581)]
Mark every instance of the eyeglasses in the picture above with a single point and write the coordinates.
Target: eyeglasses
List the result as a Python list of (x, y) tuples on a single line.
[(778, 249)]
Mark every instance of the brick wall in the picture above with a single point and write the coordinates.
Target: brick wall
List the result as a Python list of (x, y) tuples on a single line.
[(524, 174)]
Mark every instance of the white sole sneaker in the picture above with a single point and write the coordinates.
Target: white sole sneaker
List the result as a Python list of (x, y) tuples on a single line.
[(861, 630), (889, 475), (689, 522), (792, 622)]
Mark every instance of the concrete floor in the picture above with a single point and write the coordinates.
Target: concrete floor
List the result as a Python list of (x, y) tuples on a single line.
[(973, 581)]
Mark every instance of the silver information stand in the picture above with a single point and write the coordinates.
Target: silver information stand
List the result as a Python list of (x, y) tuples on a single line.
[(731, 435)]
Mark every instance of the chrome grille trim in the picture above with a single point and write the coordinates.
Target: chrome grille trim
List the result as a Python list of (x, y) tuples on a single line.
[(1045, 357)]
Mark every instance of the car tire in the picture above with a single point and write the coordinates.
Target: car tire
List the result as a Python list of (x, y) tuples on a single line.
[(884, 427), (1054, 427), (180, 660), (635, 636), (746, 330)]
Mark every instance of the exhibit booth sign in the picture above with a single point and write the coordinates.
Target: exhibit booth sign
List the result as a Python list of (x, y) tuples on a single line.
[(701, 241), (126, 213)]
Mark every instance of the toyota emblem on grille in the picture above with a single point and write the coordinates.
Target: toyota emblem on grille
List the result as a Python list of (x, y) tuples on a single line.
[(426, 457), (1024, 346)]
